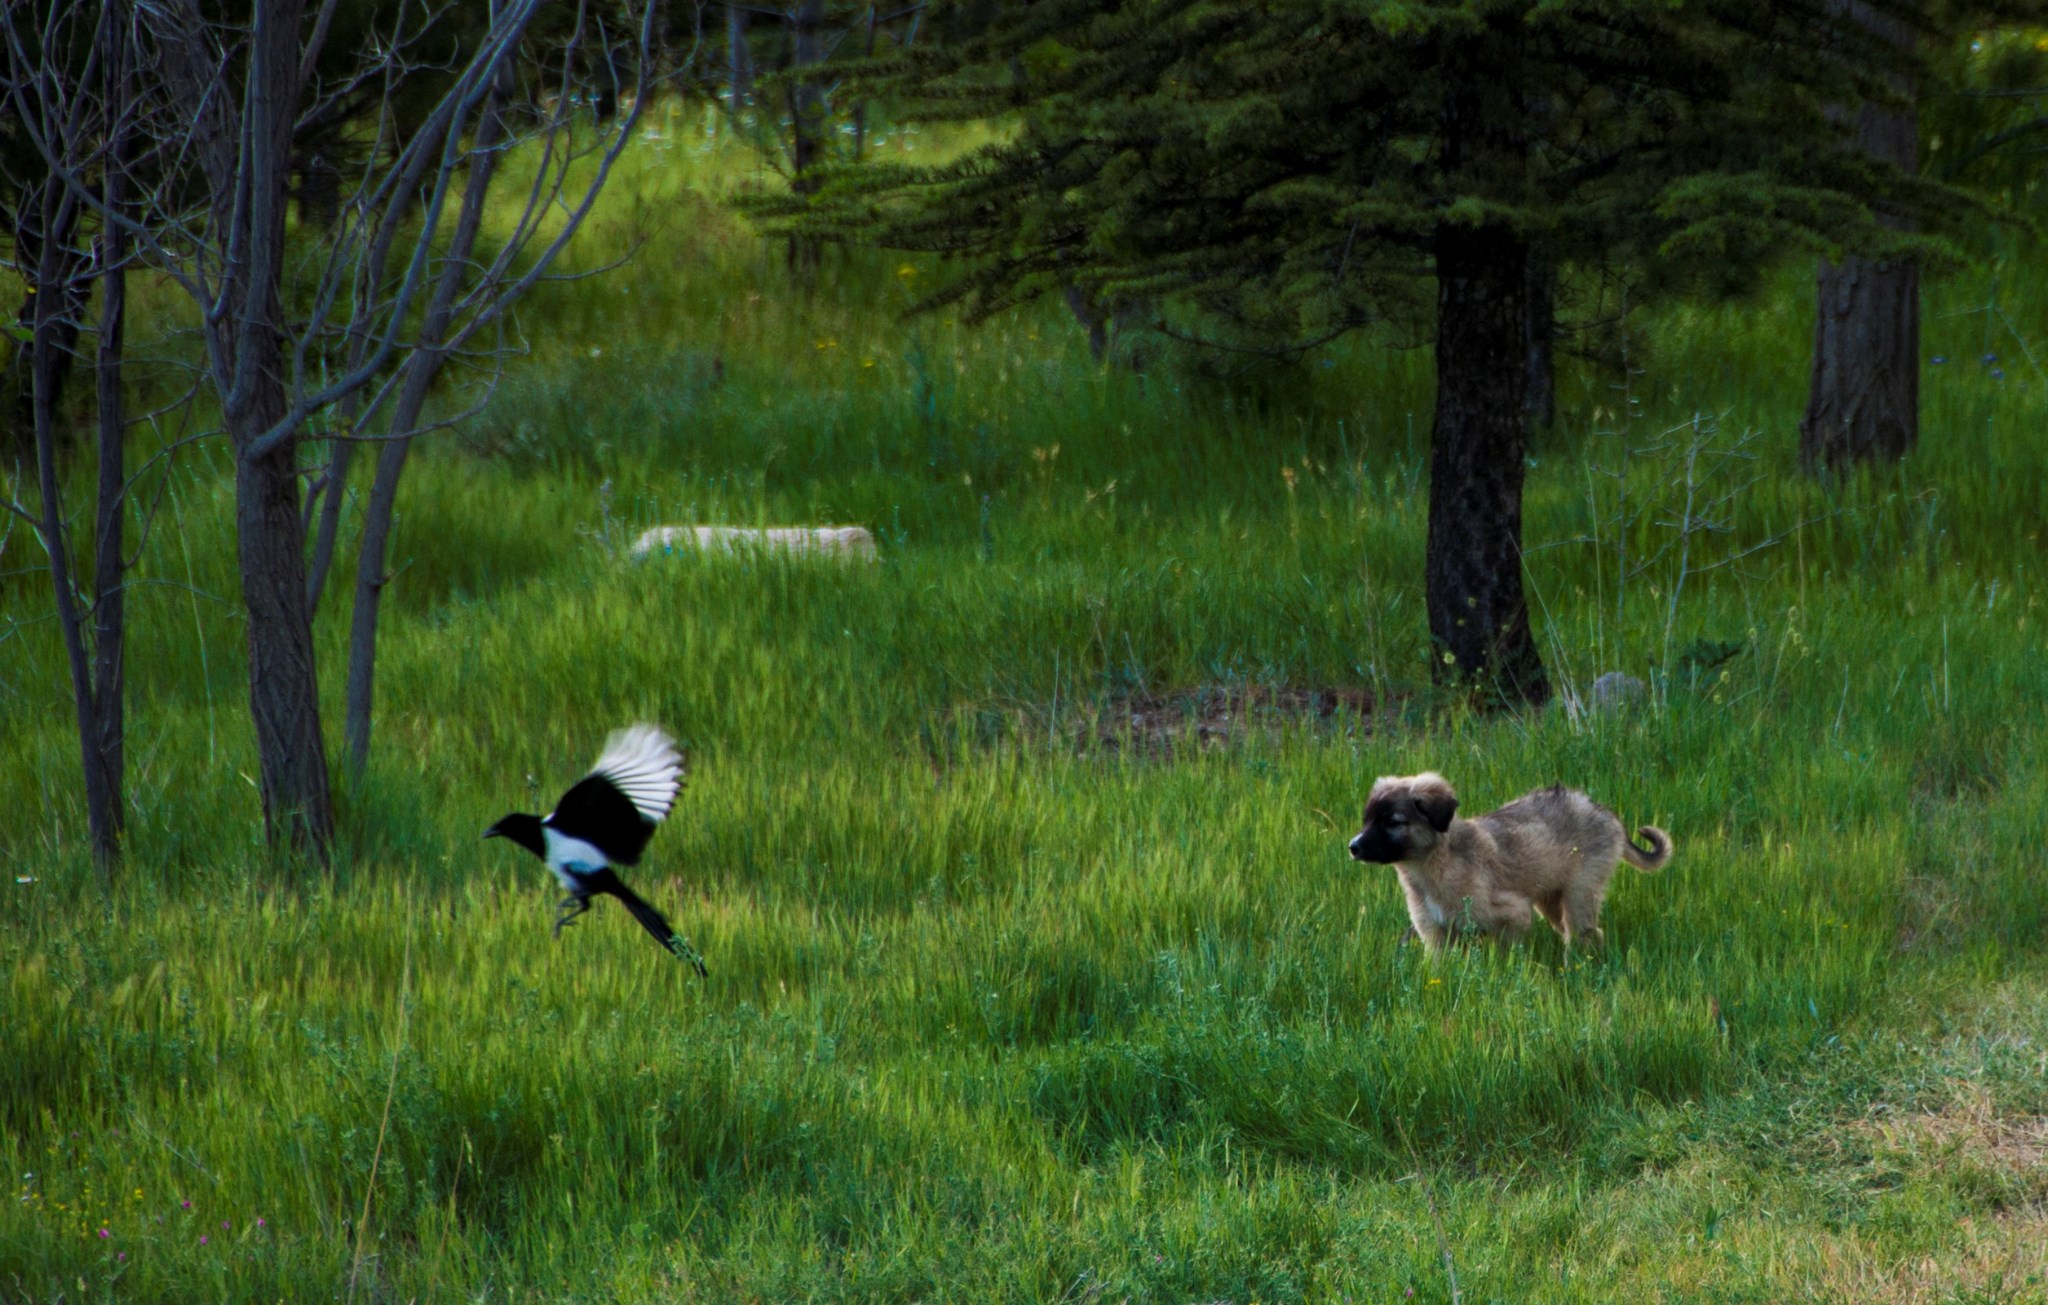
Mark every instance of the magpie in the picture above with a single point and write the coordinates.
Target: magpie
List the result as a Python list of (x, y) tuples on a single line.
[(606, 820)]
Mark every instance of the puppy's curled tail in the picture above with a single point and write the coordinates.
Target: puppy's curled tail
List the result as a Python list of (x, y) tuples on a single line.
[(1652, 857)]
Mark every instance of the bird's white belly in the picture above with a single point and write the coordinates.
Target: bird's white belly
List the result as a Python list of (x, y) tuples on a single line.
[(569, 857)]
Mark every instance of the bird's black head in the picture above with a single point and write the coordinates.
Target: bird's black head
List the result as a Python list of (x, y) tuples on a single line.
[(523, 830)]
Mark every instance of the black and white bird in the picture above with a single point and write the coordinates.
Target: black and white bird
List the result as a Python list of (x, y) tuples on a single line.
[(606, 820)]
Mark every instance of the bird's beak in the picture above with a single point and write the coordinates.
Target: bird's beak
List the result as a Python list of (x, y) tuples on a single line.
[(492, 832)]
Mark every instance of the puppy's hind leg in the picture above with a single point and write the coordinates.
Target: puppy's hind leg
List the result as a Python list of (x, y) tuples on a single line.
[(1582, 914), (1511, 921)]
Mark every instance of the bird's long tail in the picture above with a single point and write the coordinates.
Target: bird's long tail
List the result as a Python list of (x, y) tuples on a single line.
[(1652, 857), (654, 922)]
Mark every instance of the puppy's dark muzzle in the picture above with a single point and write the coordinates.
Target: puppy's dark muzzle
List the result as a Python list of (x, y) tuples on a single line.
[(1374, 848)]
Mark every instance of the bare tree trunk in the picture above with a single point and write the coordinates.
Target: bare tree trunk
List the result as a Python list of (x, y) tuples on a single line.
[(1478, 614), (55, 268), (1863, 403), (331, 493), (83, 130), (806, 100), (739, 61), (109, 579), (806, 114), (860, 110), (109, 572), (370, 581), (422, 368), (1540, 402)]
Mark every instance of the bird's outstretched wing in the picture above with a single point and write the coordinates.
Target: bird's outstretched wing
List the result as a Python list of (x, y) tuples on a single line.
[(642, 763), (618, 804), (650, 919)]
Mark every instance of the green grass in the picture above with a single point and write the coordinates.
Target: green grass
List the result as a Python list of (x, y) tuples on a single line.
[(996, 1016)]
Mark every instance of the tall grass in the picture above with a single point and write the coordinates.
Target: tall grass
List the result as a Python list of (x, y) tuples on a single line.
[(999, 1010)]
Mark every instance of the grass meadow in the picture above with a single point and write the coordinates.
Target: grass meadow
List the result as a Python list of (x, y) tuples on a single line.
[(1010, 1001)]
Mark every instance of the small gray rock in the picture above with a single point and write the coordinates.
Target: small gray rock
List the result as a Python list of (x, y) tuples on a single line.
[(1615, 690)]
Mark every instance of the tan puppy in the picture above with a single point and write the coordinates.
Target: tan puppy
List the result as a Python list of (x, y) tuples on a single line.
[(1551, 851)]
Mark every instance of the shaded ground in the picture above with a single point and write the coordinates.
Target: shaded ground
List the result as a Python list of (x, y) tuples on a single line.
[(1215, 714), (1162, 725)]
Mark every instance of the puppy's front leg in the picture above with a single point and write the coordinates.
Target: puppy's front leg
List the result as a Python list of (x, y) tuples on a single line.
[(1431, 923)]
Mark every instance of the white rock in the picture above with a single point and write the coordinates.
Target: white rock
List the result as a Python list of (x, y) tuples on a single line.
[(846, 543), (1615, 690)]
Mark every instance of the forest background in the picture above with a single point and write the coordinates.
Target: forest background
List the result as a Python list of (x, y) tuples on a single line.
[(1038, 970)]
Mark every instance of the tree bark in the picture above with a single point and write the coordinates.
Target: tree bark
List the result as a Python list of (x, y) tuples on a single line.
[(1540, 401), (807, 34), (75, 121), (284, 695), (247, 346), (109, 579), (332, 494), (1478, 615), (54, 269), (860, 110), (1863, 402), (370, 581), (806, 115), (109, 572)]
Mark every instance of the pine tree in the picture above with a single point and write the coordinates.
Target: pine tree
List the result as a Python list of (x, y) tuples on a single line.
[(1863, 402), (1294, 169)]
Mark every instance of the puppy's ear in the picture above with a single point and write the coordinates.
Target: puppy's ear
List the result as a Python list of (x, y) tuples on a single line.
[(1436, 802)]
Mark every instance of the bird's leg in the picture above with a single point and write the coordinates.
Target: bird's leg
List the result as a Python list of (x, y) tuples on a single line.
[(568, 909)]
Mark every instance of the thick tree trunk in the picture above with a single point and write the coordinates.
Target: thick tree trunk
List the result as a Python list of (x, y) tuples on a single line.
[(1478, 615), (1540, 401), (246, 153), (284, 693), (1863, 403), (1864, 400), (284, 689)]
